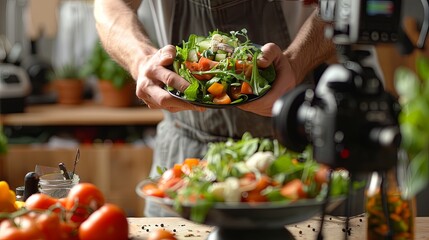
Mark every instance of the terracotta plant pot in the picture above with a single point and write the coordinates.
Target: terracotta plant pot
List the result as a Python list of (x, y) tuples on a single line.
[(116, 97), (70, 91)]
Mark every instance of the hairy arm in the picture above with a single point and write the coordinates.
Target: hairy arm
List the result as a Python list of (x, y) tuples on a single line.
[(310, 48), (125, 40), (121, 33)]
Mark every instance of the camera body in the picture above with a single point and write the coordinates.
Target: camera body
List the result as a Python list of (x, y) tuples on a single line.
[(348, 118), (362, 21)]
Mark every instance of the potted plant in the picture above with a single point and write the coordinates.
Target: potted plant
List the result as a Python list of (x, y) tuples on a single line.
[(114, 82), (68, 81)]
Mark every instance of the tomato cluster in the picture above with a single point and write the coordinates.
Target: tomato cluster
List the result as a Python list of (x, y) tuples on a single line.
[(83, 215)]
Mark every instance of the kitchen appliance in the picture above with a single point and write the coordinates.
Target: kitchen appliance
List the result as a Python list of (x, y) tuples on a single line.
[(348, 118), (14, 88)]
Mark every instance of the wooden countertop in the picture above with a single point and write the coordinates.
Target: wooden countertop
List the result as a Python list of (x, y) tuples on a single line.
[(333, 228), (88, 113)]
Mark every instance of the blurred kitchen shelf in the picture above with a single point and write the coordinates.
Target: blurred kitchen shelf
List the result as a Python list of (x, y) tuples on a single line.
[(88, 113), (115, 168)]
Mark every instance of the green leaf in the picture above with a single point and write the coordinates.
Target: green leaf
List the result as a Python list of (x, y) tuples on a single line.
[(406, 84), (422, 67), (419, 172), (104, 67), (259, 84)]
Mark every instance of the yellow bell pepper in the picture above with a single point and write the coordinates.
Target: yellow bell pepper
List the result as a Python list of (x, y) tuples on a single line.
[(7, 198)]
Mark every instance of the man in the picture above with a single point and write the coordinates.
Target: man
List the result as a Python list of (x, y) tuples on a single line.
[(186, 129)]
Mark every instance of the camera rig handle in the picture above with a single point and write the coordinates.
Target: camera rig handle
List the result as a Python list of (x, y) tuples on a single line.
[(425, 26)]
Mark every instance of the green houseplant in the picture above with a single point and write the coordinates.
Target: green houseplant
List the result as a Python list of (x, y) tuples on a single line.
[(115, 83), (413, 90), (68, 81)]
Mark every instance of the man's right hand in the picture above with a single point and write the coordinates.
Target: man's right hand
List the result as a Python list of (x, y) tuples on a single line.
[(154, 75)]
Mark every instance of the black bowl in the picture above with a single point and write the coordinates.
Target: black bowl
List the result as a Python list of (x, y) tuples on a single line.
[(175, 93)]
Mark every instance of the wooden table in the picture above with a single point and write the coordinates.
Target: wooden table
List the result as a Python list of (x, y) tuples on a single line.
[(333, 229)]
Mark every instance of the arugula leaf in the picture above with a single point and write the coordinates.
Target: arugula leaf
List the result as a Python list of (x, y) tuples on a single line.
[(259, 84)]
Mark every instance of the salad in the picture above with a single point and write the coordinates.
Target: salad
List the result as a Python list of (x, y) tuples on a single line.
[(221, 69), (247, 171)]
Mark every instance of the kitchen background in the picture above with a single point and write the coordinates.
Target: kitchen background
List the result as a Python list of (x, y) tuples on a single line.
[(115, 156)]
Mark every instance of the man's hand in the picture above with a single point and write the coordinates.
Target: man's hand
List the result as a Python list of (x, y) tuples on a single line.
[(285, 80), (153, 76)]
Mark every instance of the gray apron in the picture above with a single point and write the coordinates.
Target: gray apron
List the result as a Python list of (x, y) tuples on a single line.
[(186, 134)]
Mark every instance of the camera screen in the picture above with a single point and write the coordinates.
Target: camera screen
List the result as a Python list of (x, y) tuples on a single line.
[(380, 7), (379, 20)]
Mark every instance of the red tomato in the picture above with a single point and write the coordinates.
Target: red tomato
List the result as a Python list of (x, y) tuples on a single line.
[(195, 67), (63, 201), (153, 190), (246, 67), (108, 222), (246, 88), (161, 234), (69, 230), (322, 174), (254, 197), (20, 228), (40, 201), (49, 223), (206, 64), (170, 174), (293, 190), (171, 183), (88, 197)]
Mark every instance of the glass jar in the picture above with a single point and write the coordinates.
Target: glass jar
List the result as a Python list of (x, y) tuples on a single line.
[(385, 198), (55, 185), (19, 193)]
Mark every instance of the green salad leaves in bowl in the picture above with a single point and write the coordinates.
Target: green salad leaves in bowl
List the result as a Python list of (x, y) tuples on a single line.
[(252, 183), (221, 69)]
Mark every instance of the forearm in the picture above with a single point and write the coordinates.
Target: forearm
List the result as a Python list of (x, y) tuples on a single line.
[(121, 33), (310, 47)]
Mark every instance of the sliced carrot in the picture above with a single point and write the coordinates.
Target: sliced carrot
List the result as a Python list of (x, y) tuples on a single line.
[(222, 99), (177, 169), (254, 197), (216, 89), (246, 88), (188, 164), (191, 161)]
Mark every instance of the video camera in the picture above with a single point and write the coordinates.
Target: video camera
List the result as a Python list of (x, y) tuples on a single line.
[(348, 118)]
